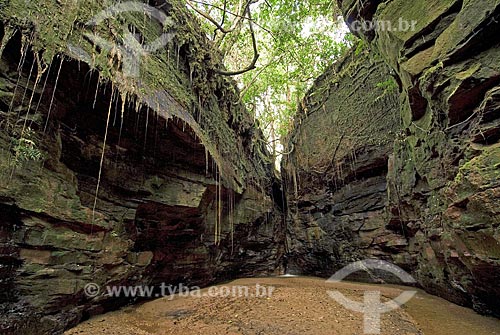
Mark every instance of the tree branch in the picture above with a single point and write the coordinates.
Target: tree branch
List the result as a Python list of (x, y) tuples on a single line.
[(208, 17), (255, 51), (254, 79)]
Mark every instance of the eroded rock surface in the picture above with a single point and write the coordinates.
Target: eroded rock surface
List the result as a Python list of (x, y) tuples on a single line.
[(336, 174), (184, 180), (441, 190)]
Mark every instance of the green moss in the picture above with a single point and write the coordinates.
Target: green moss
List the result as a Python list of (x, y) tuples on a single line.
[(50, 27), (423, 12), (60, 24), (479, 173)]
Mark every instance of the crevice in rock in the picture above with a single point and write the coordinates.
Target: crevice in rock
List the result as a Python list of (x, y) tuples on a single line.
[(427, 37), (482, 38), (418, 104), (365, 12), (279, 196), (468, 96)]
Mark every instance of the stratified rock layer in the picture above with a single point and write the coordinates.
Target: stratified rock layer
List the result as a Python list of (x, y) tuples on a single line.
[(443, 172), (444, 178), (336, 172), (183, 183)]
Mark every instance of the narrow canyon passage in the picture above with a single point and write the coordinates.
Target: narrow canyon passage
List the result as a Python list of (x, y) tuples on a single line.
[(182, 143)]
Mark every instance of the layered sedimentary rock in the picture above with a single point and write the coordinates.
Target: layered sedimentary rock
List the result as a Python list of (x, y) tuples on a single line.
[(115, 179), (336, 172), (443, 171), (444, 176)]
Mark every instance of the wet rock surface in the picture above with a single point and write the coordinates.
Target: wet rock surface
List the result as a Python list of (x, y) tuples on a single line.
[(169, 199), (438, 195), (336, 174), (164, 178)]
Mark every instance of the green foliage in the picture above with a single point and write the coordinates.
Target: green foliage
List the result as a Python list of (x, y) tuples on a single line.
[(361, 46), (25, 148), (296, 42), (388, 87)]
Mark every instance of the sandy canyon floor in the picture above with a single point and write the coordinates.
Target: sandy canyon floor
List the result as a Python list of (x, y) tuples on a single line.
[(295, 306)]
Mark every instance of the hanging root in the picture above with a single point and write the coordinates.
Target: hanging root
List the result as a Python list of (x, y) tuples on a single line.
[(24, 51), (102, 159), (53, 95)]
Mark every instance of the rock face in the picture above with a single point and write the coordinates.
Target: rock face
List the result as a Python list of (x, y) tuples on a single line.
[(441, 192), (336, 173), (444, 176), (119, 180), (117, 172)]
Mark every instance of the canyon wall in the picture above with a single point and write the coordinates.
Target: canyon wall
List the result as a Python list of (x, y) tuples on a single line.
[(336, 173), (114, 179), (118, 173), (435, 211)]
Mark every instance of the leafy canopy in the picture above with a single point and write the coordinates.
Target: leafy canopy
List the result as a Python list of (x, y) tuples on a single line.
[(296, 41)]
